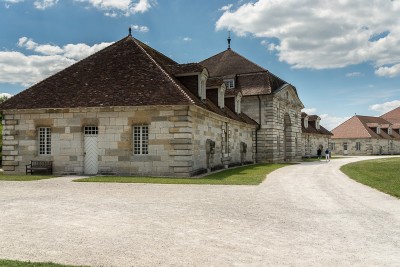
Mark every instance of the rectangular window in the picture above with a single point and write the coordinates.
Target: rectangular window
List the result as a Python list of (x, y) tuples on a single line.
[(358, 146), (44, 141), (141, 140), (332, 146), (344, 146), (91, 130), (230, 84)]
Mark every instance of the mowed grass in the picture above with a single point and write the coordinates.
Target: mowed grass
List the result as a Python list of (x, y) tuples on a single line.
[(12, 263), (24, 178), (246, 175), (381, 174)]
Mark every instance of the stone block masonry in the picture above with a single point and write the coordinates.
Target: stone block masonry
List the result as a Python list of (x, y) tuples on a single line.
[(176, 139)]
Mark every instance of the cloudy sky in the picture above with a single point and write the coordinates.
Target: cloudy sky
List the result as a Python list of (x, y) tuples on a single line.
[(343, 56)]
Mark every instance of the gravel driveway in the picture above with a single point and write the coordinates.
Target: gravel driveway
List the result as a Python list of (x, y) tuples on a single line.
[(302, 215)]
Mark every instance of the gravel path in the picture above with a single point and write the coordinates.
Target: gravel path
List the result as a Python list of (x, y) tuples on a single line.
[(302, 215)]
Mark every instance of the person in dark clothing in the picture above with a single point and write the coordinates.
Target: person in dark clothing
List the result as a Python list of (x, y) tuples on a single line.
[(327, 154), (319, 152)]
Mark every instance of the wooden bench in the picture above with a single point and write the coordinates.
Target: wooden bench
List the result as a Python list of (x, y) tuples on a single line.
[(40, 166)]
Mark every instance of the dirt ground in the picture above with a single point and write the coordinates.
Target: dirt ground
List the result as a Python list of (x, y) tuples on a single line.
[(302, 215)]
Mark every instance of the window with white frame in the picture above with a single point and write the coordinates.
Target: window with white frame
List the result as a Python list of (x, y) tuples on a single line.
[(141, 140), (44, 141), (390, 131), (344, 146), (358, 146), (378, 130), (230, 84)]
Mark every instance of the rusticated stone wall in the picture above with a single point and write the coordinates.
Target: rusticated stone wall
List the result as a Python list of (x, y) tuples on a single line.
[(177, 135)]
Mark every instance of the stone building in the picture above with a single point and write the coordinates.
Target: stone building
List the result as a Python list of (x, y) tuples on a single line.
[(272, 102), (365, 135), (129, 109), (314, 135)]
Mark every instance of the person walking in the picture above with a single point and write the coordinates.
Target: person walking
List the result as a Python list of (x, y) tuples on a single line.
[(319, 152), (327, 154)]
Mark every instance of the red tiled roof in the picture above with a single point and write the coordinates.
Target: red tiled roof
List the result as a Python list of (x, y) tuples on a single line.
[(392, 116), (363, 127)]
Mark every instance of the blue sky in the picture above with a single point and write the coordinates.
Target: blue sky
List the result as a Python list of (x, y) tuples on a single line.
[(342, 56)]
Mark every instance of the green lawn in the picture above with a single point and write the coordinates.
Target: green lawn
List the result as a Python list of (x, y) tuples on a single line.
[(247, 175), (382, 174), (23, 178), (10, 263)]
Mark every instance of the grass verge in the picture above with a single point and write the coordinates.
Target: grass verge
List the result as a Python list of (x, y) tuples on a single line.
[(11, 263), (24, 178), (246, 175), (381, 174)]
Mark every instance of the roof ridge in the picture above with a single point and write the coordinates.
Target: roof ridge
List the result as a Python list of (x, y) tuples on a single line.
[(164, 72), (249, 60)]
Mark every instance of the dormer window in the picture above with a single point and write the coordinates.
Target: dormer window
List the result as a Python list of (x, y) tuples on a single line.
[(221, 96), (202, 84), (306, 122), (238, 103), (230, 84)]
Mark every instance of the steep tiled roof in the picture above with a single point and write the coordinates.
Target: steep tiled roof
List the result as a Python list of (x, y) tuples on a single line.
[(127, 73), (178, 69), (364, 127), (311, 129), (249, 77), (392, 116), (229, 62)]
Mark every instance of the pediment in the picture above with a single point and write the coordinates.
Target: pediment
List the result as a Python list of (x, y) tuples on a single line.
[(289, 94)]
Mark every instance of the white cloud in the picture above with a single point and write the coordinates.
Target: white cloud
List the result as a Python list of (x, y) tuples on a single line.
[(39, 4), (43, 4), (139, 28), (354, 74), (115, 8), (13, 1), (5, 94), (331, 122), (392, 71), (226, 8), (18, 68), (309, 111), (187, 39), (327, 121), (385, 107), (323, 34)]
